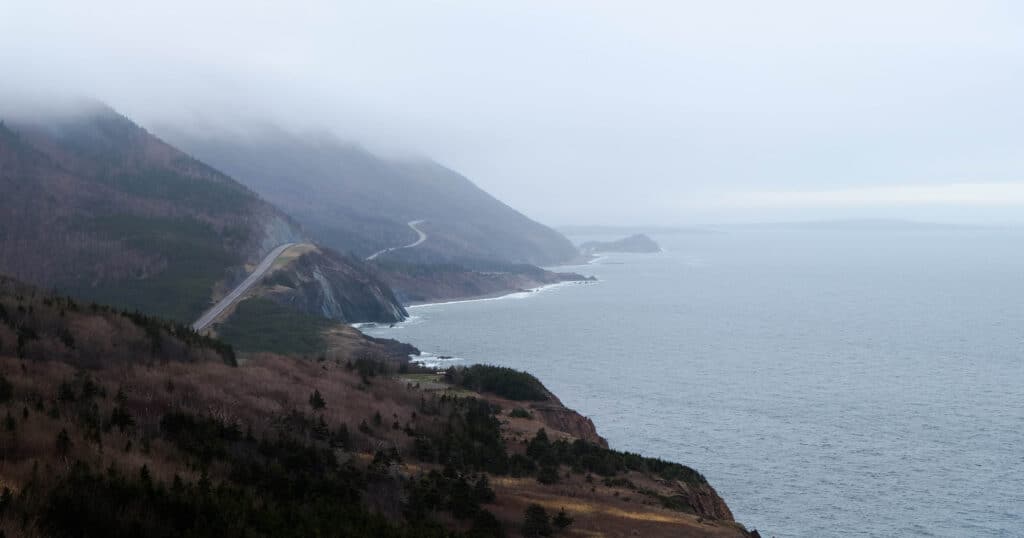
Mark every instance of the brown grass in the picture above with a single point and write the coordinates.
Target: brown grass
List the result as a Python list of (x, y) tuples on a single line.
[(266, 390)]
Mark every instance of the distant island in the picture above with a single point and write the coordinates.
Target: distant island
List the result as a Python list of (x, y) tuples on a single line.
[(633, 243), (615, 230)]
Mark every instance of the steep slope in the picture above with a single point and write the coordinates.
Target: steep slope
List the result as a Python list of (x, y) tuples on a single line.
[(310, 283), (97, 207), (355, 201), (36, 326)]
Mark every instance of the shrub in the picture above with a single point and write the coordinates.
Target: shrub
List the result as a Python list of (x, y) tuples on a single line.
[(519, 412), (63, 442), (548, 474), (316, 400), (6, 390), (536, 522), (582, 456), (562, 520)]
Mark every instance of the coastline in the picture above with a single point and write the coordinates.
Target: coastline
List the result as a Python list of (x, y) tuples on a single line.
[(711, 514), (508, 294)]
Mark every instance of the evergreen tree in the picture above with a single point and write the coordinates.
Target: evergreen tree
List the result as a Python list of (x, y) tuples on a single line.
[(63, 442), (316, 400), (121, 417), (536, 522), (482, 491), (65, 393), (6, 390), (539, 446), (548, 474), (341, 437), (562, 520), (486, 525), (320, 430)]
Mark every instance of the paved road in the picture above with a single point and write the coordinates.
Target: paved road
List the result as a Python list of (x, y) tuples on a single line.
[(412, 224), (212, 314)]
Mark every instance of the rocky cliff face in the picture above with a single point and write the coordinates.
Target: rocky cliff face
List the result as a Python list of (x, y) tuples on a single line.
[(685, 504), (558, 417), (700, 496), (704, 500), (324, 283)]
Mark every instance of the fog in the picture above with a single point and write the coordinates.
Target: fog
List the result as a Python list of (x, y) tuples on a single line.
[(587, 112)]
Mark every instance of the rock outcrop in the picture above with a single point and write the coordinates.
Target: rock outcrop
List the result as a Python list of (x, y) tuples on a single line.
[(324, 283), (558, 417), (704, 500)]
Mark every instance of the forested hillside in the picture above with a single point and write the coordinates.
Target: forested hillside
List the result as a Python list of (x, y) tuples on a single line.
[(118, 425), (99, 208), (353, 200), (96, 207)]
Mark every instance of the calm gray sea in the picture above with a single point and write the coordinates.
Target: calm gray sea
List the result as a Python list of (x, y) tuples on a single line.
[(827, 382)]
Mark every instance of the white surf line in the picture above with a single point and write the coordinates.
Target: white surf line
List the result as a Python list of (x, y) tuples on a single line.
[(520, 294), (212, 314), (412, 224)]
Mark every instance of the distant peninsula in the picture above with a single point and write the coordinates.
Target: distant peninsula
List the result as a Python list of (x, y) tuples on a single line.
[(633, 243)]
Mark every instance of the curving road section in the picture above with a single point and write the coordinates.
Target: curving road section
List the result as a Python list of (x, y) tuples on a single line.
[(212, 314), (412, 224)]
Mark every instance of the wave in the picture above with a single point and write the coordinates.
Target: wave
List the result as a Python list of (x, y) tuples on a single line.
[(396, 325), (524, 294), (437, 362)]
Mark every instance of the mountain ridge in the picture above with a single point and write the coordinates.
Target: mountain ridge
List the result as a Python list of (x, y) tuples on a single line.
[(98, 207), (354, 200)]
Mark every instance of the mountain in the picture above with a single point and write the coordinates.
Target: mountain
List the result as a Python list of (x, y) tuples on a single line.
[(353, 200), (97, 207), (633, 243), (618, 230)]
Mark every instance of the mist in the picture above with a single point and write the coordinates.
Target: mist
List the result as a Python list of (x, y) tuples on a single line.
[(577, 112)]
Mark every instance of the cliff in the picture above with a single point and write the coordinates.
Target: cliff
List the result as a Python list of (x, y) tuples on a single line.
[(324, 283), (304, 305)]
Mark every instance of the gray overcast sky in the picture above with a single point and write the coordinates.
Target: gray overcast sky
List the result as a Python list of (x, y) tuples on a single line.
[(588, 111)]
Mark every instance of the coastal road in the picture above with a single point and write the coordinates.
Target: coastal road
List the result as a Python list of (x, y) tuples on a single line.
[(206, 319), (412, 224)]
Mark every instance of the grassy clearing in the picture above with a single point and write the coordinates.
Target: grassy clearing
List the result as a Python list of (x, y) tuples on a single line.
[(423, 378), (435, 382), (291, 254)]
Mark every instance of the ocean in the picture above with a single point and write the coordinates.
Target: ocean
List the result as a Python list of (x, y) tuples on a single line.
[(827, 382)]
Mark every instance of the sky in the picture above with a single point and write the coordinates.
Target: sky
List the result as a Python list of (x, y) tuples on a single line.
[(588, 112)]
